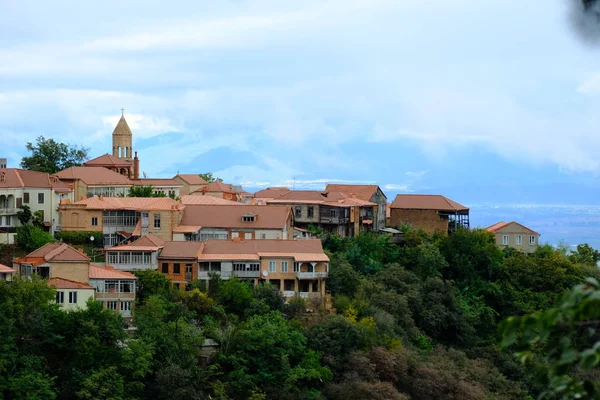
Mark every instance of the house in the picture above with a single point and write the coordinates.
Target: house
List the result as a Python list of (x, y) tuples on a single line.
[(431, 213), (71, 295), (334, 212), (220, 190), (190, 182), (54, 260), (179, 261), (296, 267), (141, 254), (195, 200), (204, 222), (515, 235), (38, 190), (122, 218), (262, 197), (6, 273), (115, 289), (168, 187), (370, 193), (95, 181)]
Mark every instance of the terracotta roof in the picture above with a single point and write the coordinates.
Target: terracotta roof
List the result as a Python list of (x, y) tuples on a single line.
[(222, 216), (198, 199), (14, 178), (191, 179), (336, 199), (187, 228), (364, 192), (61, 283), (93, 176), (122, 129), (271, 193), (426, 202), (187, 250), (499, 225), (351, 201), (150, 242), (301, 250), (156, 182), (108, 272), (218, 186), (4, 269), (107, 160), (129, 203), (58, 252), (388, 210), (315, 196)]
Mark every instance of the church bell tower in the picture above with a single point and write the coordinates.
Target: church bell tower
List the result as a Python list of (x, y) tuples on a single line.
[(122, 140)]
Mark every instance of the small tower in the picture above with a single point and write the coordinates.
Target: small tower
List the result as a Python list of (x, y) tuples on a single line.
[(122, 140)]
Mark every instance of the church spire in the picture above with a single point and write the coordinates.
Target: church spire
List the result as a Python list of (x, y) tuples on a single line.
[(122, 139)]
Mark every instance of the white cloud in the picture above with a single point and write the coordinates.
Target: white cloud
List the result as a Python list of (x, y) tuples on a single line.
[(399, 187), (590, 85), (144, 126)]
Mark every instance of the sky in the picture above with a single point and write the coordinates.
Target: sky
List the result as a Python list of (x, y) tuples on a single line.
[(487, 102)]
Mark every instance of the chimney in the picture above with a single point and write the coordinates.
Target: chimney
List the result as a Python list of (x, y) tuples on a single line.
[(136, 167), (352, 195)]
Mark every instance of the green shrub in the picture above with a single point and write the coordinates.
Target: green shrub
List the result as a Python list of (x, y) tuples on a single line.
[(80, 238)]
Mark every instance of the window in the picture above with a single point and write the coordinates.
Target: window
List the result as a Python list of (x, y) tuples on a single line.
[(263, 235), (247, 235), (505, 240), (26, 198), (284, 266), (60, 297), (176, 268), (40, 198), (234, 235), (125, 306), (239, 266), (248, 218), (298, 212), (532, 240), (111, 286), (8, 221), (126, 287), (254, 267), (311, 211), (272, 266), (156, 221), (333, 213), (94, 221), (111, 305), (72, 297), (296, 267), (165, 268), (2, 178), (519, 240)]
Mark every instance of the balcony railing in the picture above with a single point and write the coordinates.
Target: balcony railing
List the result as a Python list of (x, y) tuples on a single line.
[(289, 293), (306, 295), (206, 274), (247, 274), (311, 275), (8, 211)]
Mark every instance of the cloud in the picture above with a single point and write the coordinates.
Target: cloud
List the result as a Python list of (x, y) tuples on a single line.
[(145, 126), (590, 86), (399, 187)]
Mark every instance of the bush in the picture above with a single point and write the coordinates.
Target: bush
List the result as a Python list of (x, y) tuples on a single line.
[(80, 238), (31, 237)]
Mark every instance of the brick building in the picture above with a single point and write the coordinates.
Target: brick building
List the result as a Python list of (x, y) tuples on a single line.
[(431, 213)]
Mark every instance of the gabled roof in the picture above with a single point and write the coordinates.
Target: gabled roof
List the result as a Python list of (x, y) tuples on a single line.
[(93, 176), (218, 186), (107, 160), (198, 199), (271, 193), (129, 203), (301, 250), (156, 182), (21, 178), (313, 196), (108, 272), (222, 216), (500, 225), (426, 202), (334, 199), (363, 192), (150, 242), (122, 129), (5, 269), (61, 283), (185, 250), (58, 252), (191, 179)]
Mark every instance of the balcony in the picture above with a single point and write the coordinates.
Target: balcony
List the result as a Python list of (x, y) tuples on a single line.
[(247, 274), (289, 293), (307, 295), (8, 211), (312, 275), (206, 274)]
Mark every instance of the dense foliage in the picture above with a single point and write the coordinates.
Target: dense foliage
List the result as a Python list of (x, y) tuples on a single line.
[(412, 321), (50, 156)]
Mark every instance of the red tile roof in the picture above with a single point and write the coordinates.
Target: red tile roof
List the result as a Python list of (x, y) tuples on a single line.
[(129, 203), (108, 272), (191, 179), (18, 178), (301, 250), (94, 176), (184, 250), (426, 202), (61, 283), (218, 187), (364, 192), (107, 160), (336, 199), (149, 242), (58, 252), (499, 225), (156, 182), (221, 216), (197, 199), (271, 193), (4, 269)]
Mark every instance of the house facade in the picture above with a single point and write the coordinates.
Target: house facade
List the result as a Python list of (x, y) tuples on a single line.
[(179, 261), (220, 190), (190, 183), (203, 222), (39, 191), (369, 193), (6, 273), (90, 181), (71, 295), (121, 219), (515, 235), (115, 289), (141, 254), (54, 260), (167, 187), (431, 213)]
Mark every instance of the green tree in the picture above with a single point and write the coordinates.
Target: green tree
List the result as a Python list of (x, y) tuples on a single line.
[(585, 254), (208, 177), (234, 295), (38, 219), (343, 278), (50, 156), (103, 384), (335, 337), (24, 215), (31, 237), (151, 283), (144, 191)]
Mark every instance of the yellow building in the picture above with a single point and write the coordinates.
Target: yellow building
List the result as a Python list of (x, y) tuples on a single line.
[(54, 260), (71, 295), (515, 235)]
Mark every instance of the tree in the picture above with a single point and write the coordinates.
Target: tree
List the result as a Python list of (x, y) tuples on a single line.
[(50, 156), (24, 215), (235, 296), (144, 191), (31, 237), (151, 283), (585, 254), (38, 219), (208, 177)]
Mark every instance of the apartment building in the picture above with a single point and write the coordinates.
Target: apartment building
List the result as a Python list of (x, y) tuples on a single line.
[(141, 254), (202, 222), (95, 181), (512, 234), (115, 289), (122, 218), (369, 193), (190, 183), (39, 191)]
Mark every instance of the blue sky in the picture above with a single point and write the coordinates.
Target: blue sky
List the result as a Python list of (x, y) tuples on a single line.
[(485, 101)]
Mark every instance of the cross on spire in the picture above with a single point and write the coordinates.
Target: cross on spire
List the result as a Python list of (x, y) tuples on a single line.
[(122, 112)]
